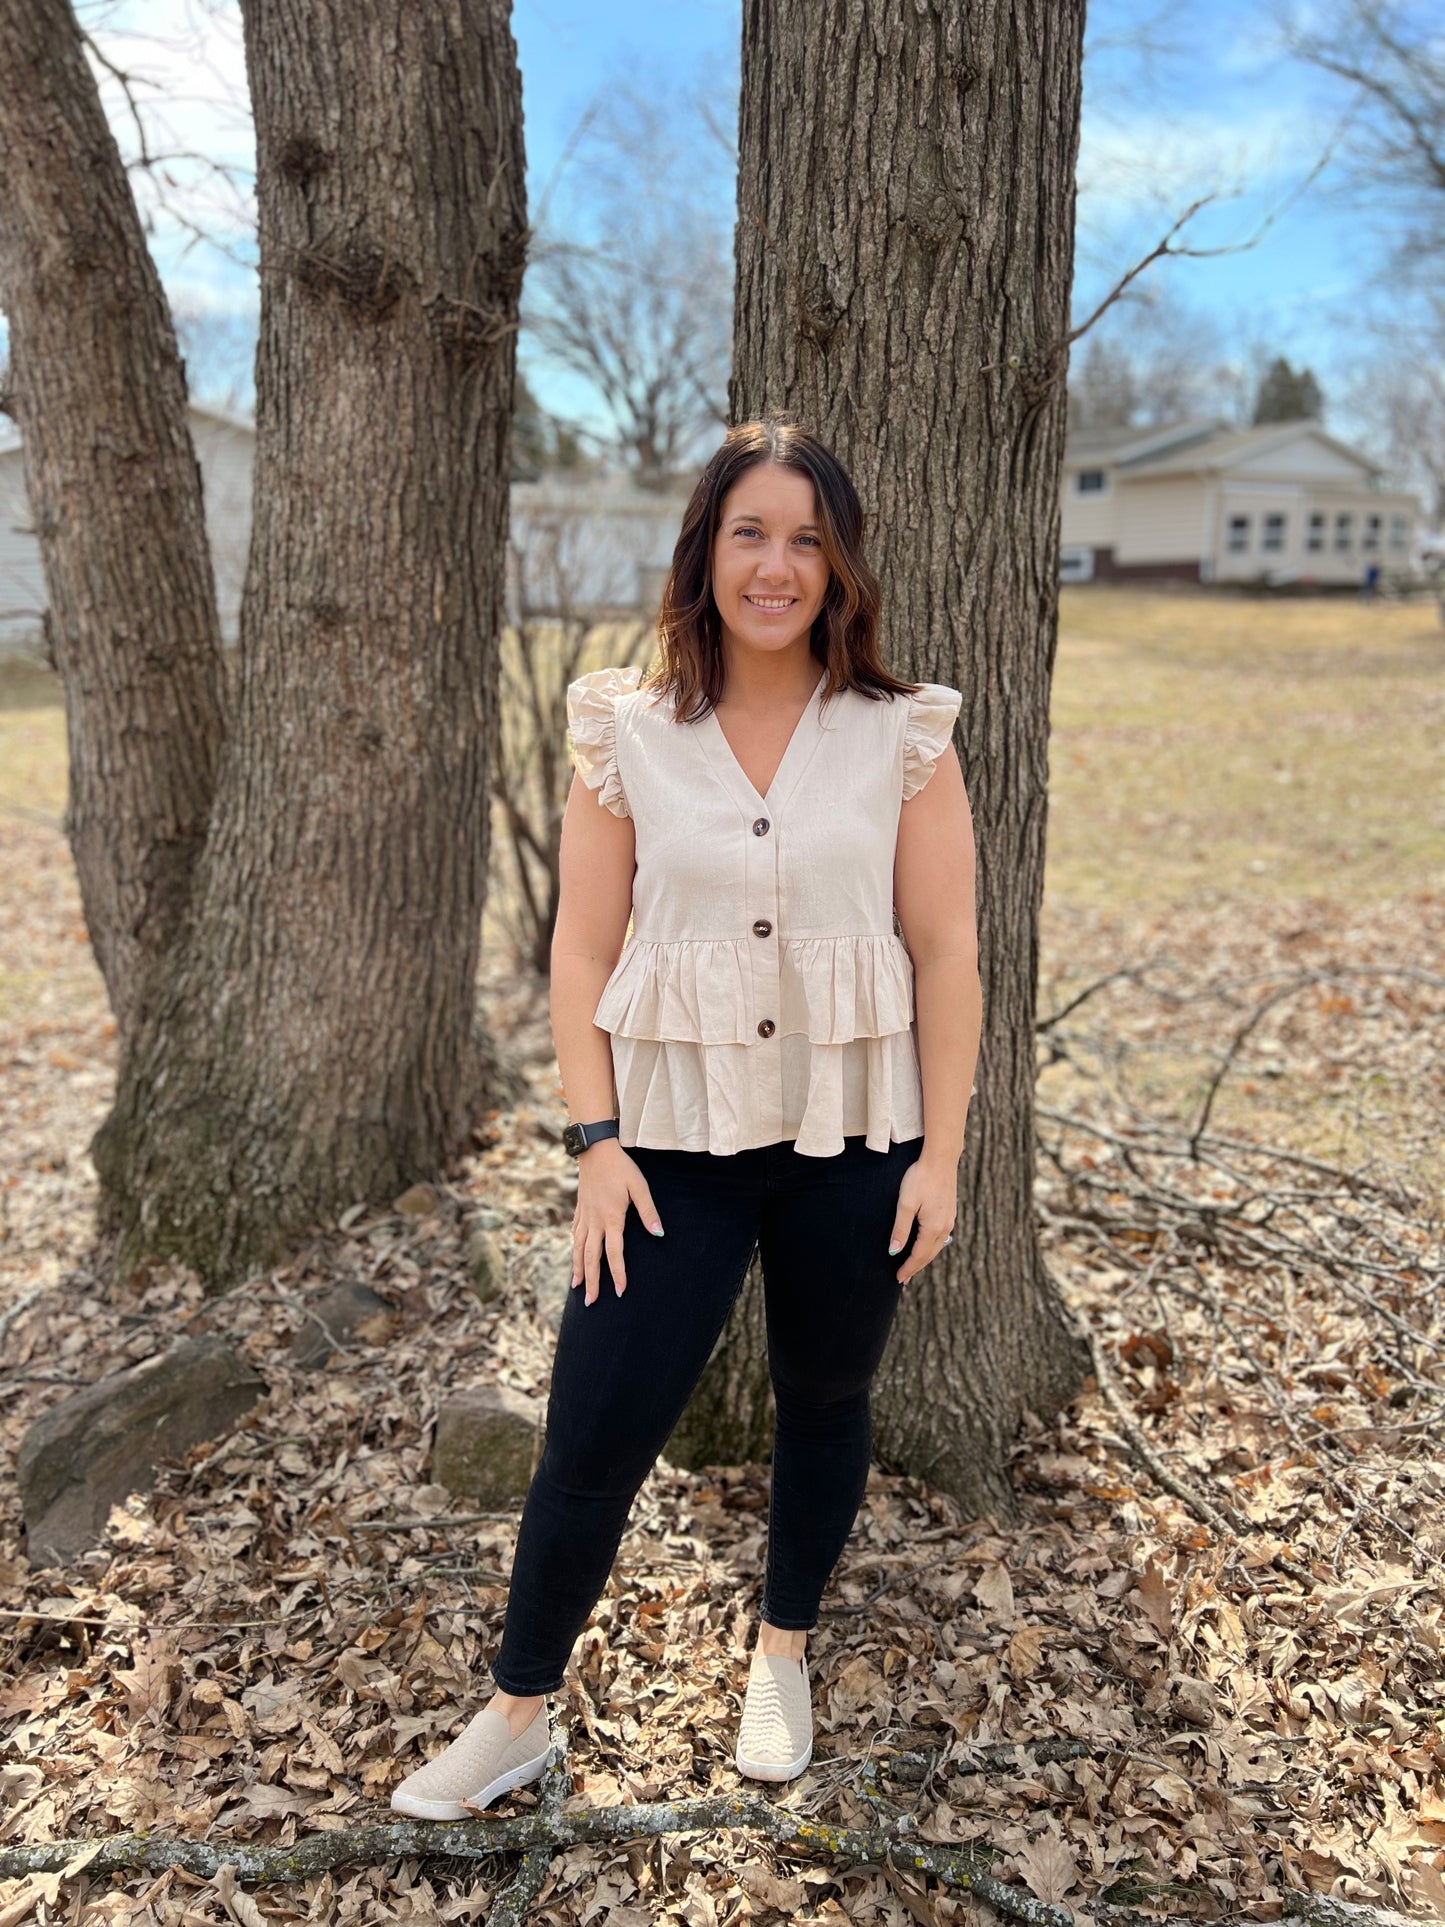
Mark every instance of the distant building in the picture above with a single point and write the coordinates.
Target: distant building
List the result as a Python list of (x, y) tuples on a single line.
[(224, 445), (1200, 501), (596, 545), (600, 545)]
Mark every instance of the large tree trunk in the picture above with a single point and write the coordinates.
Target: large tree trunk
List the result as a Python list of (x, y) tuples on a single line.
[(905, 248), (313, 1039), (97, 388)]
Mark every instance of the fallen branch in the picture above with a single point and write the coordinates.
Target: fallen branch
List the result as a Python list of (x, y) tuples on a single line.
[(538, 1836), (511, 1904)]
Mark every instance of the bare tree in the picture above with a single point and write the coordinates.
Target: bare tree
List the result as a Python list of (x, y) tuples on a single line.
[(630, 287), (307, 1034), (560, 629), (1399, 399), (96, 388), (910, 306), (219, 347), (1152, 359), (1388, 61), (1383, 65)]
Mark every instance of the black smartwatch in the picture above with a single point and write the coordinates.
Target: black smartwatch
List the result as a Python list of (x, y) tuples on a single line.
[(577, 1137)]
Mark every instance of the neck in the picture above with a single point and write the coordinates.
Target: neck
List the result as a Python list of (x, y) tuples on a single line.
[(755, 680)]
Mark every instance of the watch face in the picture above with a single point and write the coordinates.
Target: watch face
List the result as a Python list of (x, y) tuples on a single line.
[(572, 1139)]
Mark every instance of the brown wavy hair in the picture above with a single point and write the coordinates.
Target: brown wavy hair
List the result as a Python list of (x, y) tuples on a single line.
[(845, 630)]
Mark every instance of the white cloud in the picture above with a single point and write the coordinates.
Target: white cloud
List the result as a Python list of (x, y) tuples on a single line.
[(1159, 164)]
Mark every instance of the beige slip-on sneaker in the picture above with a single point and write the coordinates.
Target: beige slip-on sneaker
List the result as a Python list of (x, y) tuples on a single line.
[(775, 1740), (481, 1764)]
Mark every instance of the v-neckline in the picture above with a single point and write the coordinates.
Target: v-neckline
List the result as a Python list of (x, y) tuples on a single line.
[(799, 745)]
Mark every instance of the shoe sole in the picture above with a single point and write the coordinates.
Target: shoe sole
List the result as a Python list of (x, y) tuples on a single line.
[(416, 1809), (770, 1769)]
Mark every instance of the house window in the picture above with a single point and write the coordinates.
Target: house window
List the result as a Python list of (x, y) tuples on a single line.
[(1238, 534), (1274, 528), (1397, 531), (1076, 565), (1091, 481), (1372, 532), (1344, 532), (1315, 540)]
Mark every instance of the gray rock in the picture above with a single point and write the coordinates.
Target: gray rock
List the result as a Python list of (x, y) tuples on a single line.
[(544, 1274), (337, 1317), (487, 1443), (92, 1451), (486, 1266), (418, 1201)]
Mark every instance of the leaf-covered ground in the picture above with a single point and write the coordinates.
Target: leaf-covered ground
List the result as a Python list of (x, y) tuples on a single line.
[(284, 1628)]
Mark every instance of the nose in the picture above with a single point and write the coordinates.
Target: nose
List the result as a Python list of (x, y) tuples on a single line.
[(773, 567)]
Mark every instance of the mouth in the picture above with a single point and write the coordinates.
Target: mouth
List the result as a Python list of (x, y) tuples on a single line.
[(770, 605)]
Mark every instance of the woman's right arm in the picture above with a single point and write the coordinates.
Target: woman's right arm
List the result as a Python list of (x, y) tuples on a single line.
[(596, 864)]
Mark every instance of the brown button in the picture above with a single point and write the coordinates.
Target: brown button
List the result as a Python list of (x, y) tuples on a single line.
[(766, 1027), (762, 928), (761, 826)]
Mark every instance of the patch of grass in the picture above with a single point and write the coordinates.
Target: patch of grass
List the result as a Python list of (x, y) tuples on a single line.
[(32, 739), (1206, 747)]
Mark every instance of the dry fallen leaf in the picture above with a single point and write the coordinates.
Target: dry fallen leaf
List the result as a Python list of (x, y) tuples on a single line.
[(994, 1591), (1048, 1867)]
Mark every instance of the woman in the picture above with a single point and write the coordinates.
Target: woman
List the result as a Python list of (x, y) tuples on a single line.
[(742, 1072)]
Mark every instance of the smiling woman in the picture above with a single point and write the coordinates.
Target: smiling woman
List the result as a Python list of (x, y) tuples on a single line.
[(743, 1071)]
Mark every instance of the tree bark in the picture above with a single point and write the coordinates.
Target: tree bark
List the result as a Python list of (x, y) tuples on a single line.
[(98, 391), (313, 1041), (905, 249)]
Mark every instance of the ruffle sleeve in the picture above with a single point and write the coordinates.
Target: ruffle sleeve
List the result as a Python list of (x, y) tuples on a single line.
[(592, 725), (932, 711)]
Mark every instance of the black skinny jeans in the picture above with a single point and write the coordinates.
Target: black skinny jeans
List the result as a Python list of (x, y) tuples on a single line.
[(625, 1369)]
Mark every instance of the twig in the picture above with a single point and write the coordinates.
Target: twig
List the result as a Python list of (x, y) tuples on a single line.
[(511, 1904), (1138, 1447), (436, 1524), (18, 1309)]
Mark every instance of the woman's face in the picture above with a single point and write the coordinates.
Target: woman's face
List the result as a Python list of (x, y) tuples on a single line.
[(769, 573)]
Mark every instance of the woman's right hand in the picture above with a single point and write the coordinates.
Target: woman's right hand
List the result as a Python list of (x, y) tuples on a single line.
[(607, 1181)]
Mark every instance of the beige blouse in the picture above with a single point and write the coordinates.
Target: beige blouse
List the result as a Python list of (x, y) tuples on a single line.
[(762, 993)]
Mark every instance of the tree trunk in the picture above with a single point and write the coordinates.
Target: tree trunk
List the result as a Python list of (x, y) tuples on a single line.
[(98, 391), (313, 1037), (729, 1418), (905, 248)]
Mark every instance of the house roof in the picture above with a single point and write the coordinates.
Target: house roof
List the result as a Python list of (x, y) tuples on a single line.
[(10, 434), (1231, 446), (1117, 445)]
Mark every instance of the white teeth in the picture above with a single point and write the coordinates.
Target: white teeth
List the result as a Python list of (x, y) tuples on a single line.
[(775, 602)]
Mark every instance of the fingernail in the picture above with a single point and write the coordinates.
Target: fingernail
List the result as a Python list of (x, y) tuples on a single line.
[(894, 1249), (656, 1230), (617, 1289)]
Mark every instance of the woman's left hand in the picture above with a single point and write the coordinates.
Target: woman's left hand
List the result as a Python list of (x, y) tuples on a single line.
[(929, 1193)]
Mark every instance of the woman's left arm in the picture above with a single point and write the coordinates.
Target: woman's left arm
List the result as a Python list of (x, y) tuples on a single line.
[(933, 893)]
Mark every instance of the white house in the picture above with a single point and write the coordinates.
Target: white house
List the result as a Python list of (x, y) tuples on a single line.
[(224, 445), (1202, 501), (597, 544)]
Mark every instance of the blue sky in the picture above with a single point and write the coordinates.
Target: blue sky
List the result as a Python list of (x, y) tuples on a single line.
[(1215, 110)]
